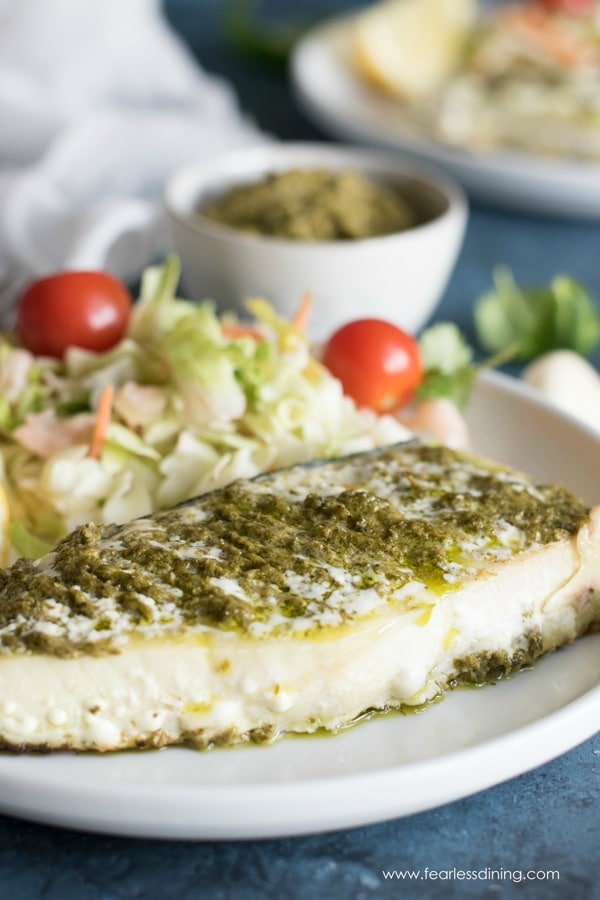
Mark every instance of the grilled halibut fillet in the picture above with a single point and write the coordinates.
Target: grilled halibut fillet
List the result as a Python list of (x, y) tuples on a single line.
[(292, 602)]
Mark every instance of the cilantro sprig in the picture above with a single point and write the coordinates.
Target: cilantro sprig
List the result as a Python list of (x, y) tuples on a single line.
[(447, 361), (532, 321), (511, 324), (448, 366)]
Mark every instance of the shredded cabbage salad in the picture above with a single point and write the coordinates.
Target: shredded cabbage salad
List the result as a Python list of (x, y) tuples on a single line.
[(198, 402)]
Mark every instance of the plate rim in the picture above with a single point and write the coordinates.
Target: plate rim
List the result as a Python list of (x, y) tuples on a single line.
[(140, 812)]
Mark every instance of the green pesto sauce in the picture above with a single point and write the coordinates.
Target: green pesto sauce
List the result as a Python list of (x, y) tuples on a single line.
[(161, 571), (312, 205)]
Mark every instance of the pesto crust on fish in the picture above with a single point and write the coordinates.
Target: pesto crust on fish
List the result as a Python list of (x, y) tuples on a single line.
[(294, 602)]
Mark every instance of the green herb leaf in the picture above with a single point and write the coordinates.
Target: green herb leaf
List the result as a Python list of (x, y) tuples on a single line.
[(447, 362), (444, 347), (511, 323), (456, 387), (534, 320)]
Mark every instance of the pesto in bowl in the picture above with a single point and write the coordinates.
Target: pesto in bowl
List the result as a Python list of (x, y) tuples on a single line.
[(312, 205)]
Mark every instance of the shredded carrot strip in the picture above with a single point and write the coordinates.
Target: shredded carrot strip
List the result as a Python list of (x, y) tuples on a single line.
[(538, 26), (103, 414), (302, 314), (234, 330)]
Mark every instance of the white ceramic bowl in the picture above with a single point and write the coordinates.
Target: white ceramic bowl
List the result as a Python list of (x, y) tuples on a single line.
[(399, 277)]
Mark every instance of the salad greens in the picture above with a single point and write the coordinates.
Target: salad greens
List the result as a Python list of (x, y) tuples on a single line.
[(198, 402)]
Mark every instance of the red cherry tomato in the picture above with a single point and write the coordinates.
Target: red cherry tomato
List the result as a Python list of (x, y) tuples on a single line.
[(378, 364), (73, 309)]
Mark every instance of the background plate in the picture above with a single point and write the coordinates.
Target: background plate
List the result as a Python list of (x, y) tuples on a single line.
[(389, 767), (342, 105)]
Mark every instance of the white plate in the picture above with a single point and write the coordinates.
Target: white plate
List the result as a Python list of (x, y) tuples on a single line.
[(382, 769), (342, 105)]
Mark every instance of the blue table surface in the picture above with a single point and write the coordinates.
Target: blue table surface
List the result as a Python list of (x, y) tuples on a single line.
[(545, 819)]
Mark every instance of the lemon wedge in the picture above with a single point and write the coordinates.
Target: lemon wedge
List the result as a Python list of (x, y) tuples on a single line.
[(410, 47), (4, 528)]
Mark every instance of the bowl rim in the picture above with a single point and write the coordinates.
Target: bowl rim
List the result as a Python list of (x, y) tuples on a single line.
[(188, 182)]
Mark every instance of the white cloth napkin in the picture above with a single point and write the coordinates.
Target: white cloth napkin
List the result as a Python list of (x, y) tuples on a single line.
[(99, 103)]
